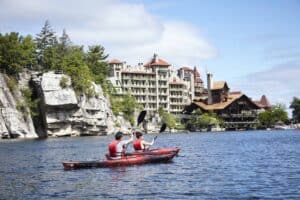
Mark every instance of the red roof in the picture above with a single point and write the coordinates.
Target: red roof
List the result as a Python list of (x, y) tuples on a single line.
[(155, 61), (265, 102), (115, 61)]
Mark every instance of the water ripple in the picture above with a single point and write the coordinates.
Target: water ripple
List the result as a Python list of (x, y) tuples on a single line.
[(231, 165)]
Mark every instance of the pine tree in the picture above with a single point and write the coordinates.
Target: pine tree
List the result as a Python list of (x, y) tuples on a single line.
[(65, 45), (95, 59), (65, 39), (45, 39)]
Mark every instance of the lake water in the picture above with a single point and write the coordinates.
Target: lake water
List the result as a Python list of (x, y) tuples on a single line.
[(228, 165)]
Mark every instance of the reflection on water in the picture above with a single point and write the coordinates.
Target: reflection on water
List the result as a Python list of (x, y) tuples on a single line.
[(229, 165)]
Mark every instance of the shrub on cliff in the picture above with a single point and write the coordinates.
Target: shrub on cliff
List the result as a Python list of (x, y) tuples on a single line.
[(125, 104)]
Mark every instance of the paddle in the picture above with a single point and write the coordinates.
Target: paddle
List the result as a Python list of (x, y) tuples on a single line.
[(162, 129), (141, 117)]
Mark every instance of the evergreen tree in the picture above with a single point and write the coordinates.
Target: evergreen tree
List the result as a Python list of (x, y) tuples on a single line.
[(64, 44), (65, 39), (295, 105), (95, 59), (44, 40)]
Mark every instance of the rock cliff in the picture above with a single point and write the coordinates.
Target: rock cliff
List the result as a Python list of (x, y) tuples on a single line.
[(60, 111), (14, 123), (66, 114)]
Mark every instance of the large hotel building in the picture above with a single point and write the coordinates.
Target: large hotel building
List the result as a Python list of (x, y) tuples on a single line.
[(155, 84)]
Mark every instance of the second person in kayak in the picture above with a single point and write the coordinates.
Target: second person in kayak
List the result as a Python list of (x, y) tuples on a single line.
[(140, 144), (117, 147)]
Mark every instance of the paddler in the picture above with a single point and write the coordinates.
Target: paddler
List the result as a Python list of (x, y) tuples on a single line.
[(117, 147), (140, 144)]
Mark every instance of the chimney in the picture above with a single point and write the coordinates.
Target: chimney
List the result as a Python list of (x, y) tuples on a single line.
[(209, 87), (155, 58)]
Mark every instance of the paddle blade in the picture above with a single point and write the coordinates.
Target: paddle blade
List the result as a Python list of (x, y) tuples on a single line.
[(141, 116), (163, 127)]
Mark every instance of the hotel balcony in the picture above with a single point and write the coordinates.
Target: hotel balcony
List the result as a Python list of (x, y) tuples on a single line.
[(176, 89), (177, 103)]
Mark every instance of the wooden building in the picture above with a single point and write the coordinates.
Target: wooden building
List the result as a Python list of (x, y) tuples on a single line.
[(237, 110)]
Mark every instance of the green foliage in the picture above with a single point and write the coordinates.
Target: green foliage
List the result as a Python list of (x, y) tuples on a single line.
[(47, 53), (167, 118), (22, 108), (64, 82), (50, 59), (16, 52), (31, 104), (45, 41), (11, 84), (125, 104), (295, 105), (201, 120), (95, 60), (269, 118), (74, 65)]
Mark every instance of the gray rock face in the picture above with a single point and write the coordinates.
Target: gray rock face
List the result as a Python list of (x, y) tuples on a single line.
[(13, 123), (65, 114)]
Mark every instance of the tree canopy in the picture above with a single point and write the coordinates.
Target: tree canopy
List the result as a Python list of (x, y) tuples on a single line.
[(201, 120), (167, 118), (295, 105), (16, 53), (48, 52), (270, 117), (125, 104)]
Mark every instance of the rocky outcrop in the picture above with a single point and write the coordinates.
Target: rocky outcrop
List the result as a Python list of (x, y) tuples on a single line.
[(66, 114), (14, 123)]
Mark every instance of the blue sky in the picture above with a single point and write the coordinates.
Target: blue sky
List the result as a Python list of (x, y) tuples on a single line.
[(253, 45)]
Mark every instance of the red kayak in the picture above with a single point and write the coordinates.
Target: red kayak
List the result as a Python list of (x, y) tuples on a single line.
[(125, 161), (156, 151)]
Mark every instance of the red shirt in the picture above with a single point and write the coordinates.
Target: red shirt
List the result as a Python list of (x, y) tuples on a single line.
[(137, 145), (112, 148)]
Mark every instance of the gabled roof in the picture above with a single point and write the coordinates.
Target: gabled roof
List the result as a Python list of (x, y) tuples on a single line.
[(159, 62), (115, 61), (155, 61), (263, 102), (222, 105), (218, 85)]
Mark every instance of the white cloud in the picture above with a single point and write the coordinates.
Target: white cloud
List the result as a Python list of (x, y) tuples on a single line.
[(280, 83), (128, 31)]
